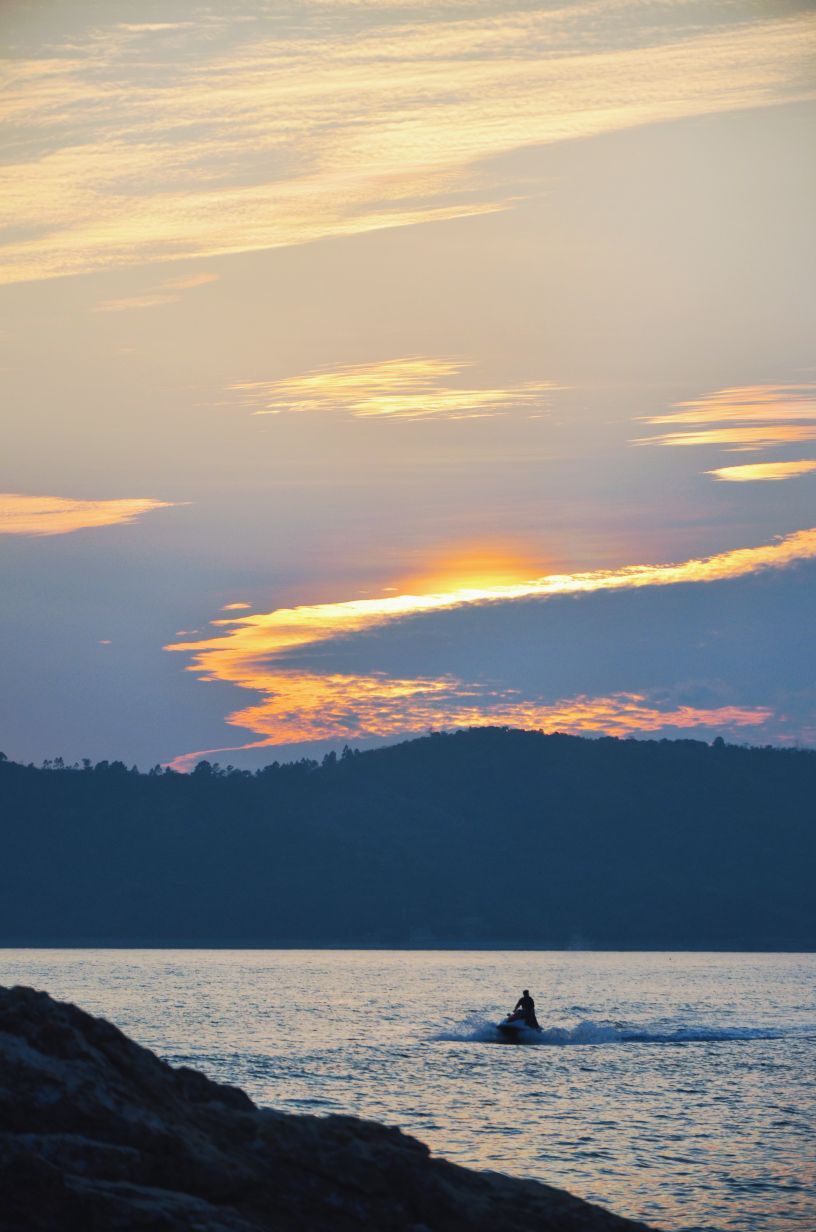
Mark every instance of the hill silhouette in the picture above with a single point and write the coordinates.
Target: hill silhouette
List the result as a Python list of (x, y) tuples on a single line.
[(488, 837)]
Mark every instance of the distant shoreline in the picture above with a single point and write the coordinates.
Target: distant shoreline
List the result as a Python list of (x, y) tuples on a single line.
[(481, 840), (371, 947)]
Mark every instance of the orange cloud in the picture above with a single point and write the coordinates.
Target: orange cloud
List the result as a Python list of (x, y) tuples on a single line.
[(57, 515), (762, 471), (741, 418), (300, 707), (262, 635), (410, 388), (305, 705)]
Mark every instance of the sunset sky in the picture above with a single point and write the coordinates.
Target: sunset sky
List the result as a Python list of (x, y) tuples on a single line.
[(372, 368)]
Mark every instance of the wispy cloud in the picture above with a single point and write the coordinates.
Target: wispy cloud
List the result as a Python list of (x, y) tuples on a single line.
[(127, 303), (300, 705), (336, 122), (410, 388), (58, 515), (742, 439), (189, 281), (271, 633), (764, 471), (744, 404), (153, 27), (168, 292), (741, 419)]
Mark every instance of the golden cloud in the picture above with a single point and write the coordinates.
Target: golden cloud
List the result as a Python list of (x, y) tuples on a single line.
[(764, 471), (343, 126), (410, 388), (744, 403), (302, 705), (742, 439), (741, 418), (57, 515)]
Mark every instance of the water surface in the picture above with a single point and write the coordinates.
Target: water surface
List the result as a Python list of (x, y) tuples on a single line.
[(675, 1088)]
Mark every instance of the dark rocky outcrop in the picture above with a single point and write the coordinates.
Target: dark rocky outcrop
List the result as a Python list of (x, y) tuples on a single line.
[(97, 1133)]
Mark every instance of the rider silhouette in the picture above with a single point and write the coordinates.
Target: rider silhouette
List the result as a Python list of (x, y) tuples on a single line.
[(526, 1004)]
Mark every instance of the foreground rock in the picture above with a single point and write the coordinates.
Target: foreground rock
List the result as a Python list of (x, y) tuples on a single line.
[(97, 1133)]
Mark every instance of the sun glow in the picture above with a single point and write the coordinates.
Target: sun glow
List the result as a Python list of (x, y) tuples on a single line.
[(479, 566), (300, 705)]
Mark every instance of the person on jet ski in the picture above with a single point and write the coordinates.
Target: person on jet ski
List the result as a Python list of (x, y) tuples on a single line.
[(526, 1005)]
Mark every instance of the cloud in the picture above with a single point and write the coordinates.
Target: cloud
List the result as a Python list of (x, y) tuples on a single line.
[(411, 388), (128, 302), (153, 27), (744, 403), (742, 439), (308, 707), (741, 418), (235, 607), (57, 515), (339, 121), (763, 471), (262, 635), (189, 281), (168, 292), (299, 705)]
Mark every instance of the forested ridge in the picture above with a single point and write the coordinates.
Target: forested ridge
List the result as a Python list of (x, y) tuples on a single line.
[(483, 837)]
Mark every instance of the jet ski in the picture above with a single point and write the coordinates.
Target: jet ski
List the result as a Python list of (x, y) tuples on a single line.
[(514, 1028)]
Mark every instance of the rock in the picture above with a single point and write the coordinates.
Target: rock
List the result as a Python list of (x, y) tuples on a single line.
[(98, 1134)]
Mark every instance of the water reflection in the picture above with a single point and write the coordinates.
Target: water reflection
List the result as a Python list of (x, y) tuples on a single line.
[(714, 1133)]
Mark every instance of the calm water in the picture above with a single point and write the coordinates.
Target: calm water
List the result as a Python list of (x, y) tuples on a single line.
[(677, 1088)]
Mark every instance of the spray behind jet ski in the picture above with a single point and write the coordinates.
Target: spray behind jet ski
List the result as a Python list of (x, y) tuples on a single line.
[(520, 1021), (514, 1030)]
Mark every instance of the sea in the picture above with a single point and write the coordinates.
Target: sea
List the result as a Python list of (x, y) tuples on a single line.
[(676, 1088)]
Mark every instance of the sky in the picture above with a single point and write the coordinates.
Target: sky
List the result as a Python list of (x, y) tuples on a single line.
[(372, 368)]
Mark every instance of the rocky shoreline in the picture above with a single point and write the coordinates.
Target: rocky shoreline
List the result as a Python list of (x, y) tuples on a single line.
[(98, 1134)]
